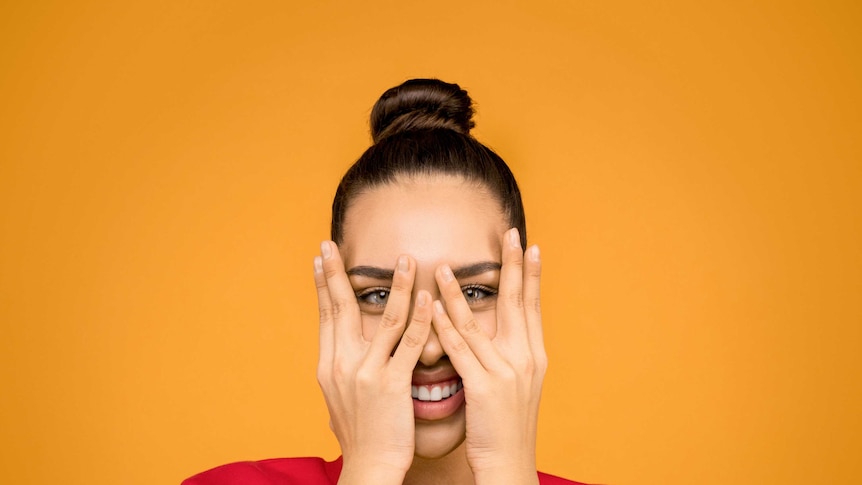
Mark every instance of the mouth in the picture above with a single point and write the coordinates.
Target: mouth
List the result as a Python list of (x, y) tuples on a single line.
[(437, 397), (439, 391)]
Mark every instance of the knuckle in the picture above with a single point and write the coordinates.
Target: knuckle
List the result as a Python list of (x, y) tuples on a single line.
[(514, 257), (365, 377), (325, 315), (533, 269), (420, 318), (520, 362), (410, 340), (541, 365), (528, 366), (515, 268), (391, 319), (457, 344), (339, 307), (329, 271), (460, 347), (472, 326), (508, 375), (340, 370), (322, 377), (338, 373), (515, 299), (399, 285), (541, 369), (481, 389), (535, 304)]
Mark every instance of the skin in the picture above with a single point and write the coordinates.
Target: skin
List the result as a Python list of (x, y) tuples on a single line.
[(430, 279)]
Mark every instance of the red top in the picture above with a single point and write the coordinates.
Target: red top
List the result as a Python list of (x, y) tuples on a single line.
[(295, 471)]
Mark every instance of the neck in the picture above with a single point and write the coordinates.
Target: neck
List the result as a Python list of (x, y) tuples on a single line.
[(450, 469)]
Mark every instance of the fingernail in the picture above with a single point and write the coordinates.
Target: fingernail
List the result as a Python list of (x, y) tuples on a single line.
[(326, 250), (515, 238), (446, 272), (402, 264), (438, 307), (534, 253), (422, 299), (318, 264)]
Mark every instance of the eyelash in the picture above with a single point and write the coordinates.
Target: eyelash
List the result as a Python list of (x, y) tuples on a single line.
[(365, 295), (490, 292)]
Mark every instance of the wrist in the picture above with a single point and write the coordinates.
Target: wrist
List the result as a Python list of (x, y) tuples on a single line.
[(506, 475), (516, 471), (362, 474)]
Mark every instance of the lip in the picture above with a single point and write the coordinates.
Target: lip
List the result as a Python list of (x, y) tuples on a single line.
[(437, 374), (437, 410), (441, 372)]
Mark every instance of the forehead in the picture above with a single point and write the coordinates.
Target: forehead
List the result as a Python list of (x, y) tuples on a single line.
[(435, 219)]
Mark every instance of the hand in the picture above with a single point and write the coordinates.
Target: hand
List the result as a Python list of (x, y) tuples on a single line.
[(502, 377), (365, 385)]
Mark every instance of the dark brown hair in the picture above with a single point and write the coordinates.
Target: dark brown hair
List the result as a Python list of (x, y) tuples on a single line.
[(422, 127)]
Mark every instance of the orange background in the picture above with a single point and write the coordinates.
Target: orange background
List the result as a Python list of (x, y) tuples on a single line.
[(693, 174)]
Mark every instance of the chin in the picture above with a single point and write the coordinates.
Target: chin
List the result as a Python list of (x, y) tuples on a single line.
[(436, 439)]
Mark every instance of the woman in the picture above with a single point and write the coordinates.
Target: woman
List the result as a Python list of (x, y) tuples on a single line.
[(431, 352)]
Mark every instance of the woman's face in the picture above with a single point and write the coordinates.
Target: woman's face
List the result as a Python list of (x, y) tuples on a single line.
[(435, 220)]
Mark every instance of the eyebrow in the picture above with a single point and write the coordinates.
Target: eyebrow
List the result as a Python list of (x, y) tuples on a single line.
[(474, 269)]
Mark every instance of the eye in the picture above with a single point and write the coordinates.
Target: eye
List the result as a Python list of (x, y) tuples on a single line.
[(373, 296), (477, 293)]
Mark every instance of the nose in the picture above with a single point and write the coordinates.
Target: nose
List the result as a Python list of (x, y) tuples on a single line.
[(432, 351)]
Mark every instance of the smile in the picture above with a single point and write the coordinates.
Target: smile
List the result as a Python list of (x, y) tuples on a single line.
[(438, 391)]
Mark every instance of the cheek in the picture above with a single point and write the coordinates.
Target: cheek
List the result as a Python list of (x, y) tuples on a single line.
[(369, 326), (488, 321)]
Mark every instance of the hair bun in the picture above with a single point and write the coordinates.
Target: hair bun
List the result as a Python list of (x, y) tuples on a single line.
[(422, 104)]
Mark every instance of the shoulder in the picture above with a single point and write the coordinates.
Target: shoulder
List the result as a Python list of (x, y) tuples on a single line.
[(545, 479), (277, 471)]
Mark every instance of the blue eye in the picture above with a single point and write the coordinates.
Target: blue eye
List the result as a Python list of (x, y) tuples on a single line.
[(477, 293), (373, 296)]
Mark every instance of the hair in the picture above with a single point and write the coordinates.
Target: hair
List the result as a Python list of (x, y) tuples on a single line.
[(422, 127)]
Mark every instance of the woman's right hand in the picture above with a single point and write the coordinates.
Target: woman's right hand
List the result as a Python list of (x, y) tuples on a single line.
[(366, 386)]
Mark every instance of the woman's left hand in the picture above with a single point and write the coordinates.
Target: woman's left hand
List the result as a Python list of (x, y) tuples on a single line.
[(502, 376)]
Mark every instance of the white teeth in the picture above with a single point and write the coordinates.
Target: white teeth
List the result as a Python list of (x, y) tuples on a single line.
[(435, 393)]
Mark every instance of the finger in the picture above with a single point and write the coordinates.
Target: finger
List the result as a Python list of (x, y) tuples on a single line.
[(463, 319), (414, 338), (532, 302), (394, 317), (324, 307), (343, 306), (511, 322), (459, 352)]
